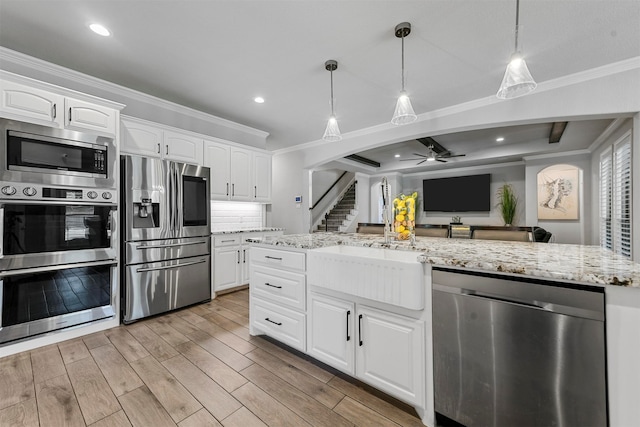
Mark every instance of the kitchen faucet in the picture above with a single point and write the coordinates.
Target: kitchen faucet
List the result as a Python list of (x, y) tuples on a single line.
[(385, 210)]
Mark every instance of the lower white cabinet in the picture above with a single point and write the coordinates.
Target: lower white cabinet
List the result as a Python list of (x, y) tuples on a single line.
[(383, 349), (390, 353), (277, 294), (331, 334)]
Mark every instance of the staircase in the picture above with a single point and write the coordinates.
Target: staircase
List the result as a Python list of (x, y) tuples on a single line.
[(342, 213)]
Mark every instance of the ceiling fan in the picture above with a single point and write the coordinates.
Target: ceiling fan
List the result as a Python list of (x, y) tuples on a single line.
[(436, 152)]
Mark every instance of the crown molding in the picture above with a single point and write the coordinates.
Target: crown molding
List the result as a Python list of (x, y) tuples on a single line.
[(76, 76)]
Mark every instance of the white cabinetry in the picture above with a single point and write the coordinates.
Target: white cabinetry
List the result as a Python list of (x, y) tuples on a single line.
[(380, 348), (227, 259), (237, 173), (278, 295), (21, 101), (152, 140), (261, 177), (232, 259)]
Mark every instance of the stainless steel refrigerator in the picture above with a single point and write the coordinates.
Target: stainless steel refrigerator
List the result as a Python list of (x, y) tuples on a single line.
[(166, 248)]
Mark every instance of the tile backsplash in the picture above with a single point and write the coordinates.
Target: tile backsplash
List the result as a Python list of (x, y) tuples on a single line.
[(227, 216)]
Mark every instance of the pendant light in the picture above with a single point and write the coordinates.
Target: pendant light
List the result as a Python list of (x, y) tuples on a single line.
[(332, 132), (517, 80), (403, 113)]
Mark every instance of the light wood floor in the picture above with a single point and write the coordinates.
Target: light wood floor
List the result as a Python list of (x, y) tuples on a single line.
[(194, 367)]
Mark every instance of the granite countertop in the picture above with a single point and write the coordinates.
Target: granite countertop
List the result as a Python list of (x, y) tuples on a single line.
[(248, 230), (591, 265)]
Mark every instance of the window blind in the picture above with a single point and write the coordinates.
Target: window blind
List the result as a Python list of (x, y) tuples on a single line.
[(615, 197), (622, 198)]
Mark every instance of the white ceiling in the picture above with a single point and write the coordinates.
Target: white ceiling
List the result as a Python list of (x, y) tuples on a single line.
[(216, 56)]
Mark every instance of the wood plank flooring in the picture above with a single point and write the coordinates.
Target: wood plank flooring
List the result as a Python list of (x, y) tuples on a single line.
[(190, 368)]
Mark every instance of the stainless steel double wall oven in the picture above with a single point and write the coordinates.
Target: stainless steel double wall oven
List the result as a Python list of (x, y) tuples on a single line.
[(58, 229), (167, 236)]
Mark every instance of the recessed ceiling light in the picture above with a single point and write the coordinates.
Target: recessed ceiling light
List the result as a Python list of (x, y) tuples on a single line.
[(500, 139), (100, 29), (259, 100), (397, 155)]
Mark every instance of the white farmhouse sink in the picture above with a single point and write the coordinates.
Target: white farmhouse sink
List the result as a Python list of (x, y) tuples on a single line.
[(390, 276)]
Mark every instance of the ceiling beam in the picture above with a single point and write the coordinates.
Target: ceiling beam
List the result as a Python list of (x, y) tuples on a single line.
[(363, 160), (429, 142), (557, 129)]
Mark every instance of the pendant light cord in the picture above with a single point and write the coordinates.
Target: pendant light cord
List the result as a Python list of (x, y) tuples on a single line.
[(517, 22), (332, 114), (402, 38)]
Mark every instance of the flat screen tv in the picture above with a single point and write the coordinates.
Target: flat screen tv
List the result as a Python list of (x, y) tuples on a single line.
[(458, 194)]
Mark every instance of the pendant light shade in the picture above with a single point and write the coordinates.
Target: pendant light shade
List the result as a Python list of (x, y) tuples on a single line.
[(517, 80), (332, 131), (403, 113)]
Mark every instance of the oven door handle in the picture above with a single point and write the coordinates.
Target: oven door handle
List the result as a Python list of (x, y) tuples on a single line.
[(169, 267), (8, 273), (169, 245)]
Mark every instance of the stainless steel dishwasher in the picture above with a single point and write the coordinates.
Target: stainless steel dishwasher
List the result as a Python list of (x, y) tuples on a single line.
[(518, 353)]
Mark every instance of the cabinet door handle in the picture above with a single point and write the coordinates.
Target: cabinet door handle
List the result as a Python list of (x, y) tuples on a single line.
[(360, 329), (272, 257), (273, 286), (244, 256), (255, 191), (158, 148), (348, 336), (54, 112), (227, 188), (238, 257), (275, 323), (233, 189), (167, 150)]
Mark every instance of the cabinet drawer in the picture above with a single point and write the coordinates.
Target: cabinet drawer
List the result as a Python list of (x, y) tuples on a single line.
[(285, 325), (284, 287), (278, 259), (226, 240)]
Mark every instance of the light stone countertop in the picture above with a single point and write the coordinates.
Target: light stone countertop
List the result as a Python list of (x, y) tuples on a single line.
[(248, 230), (591, 265)]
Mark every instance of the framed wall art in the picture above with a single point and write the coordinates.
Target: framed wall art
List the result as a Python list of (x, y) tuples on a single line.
[(558, 193)]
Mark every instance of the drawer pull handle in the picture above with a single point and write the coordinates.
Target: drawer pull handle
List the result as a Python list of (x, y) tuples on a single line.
[(348, 314), (360, 329), (272, 257), (273, 286), (275, 323), (226, 241)]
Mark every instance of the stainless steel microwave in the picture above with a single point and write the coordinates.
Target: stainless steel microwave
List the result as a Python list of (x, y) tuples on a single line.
[(37, 154)]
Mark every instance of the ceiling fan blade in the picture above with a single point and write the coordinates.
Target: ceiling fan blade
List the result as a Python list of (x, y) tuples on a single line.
[(408, 160), (419, 163), (452, 155), (440, 160), (418, 154)]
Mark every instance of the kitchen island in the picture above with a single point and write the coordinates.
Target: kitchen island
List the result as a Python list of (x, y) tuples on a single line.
[(556, 264)]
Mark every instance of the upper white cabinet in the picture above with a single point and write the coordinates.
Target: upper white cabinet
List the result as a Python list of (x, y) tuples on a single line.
[(31, 102), (25, 102), (146, 139), (241, 188), (261, 177), (85, 115), (237, 173)]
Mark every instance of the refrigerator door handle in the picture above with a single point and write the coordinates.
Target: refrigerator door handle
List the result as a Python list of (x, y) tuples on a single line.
[(169, 267), (170, 245)]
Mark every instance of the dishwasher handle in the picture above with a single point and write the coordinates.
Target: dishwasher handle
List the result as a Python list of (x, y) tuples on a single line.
[(524, 302)]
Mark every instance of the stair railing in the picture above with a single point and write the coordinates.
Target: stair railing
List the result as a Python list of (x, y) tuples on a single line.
[(325, 211)]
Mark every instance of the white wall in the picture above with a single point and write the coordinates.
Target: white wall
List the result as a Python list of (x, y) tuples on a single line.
[(289, 180), (500, 174)]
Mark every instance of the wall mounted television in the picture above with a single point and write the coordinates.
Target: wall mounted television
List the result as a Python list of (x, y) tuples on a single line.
[(457, 194)]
